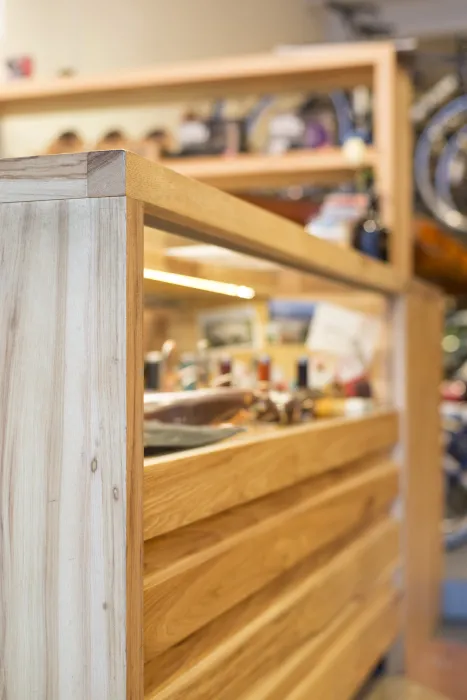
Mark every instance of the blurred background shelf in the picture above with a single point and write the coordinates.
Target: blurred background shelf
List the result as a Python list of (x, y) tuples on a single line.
[(346, 65), (249, 170)]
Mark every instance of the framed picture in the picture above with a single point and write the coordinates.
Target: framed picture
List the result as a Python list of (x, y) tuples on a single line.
[(230, 327)]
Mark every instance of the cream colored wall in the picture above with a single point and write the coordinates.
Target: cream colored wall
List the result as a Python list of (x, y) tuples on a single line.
[(95, 36)]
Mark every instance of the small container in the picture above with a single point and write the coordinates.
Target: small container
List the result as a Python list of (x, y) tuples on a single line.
[(225, 371), (263, 373), (202, 364), (188, 372), (152, 371)]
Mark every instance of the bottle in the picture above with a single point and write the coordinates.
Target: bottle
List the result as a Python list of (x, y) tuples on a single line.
[(369, 235), (169, 377), (303, 392), (152, 371), (188, 371), (264, 409), (202, 364), (263, 370)]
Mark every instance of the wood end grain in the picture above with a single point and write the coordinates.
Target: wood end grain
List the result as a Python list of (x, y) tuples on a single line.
[(106, 174)]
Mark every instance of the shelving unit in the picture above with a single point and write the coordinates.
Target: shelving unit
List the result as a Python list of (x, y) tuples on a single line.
[(332, 66), (325, 67), (244, 171), (261, 567)]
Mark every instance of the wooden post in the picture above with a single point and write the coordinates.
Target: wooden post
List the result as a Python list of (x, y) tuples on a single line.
[(417, 331), (393, 167), (71, 464)]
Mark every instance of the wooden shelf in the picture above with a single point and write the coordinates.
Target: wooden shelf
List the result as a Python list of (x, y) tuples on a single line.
[(325, 66), (325, 166)]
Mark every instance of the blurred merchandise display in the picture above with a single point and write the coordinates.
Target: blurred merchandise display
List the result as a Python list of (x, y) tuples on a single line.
[(328, 372), (454, 419), (19, 67), (352, 220)]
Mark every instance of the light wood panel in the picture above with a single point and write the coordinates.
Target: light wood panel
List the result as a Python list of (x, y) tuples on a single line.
[(70, 542), (342, 65), (227, 657), (221, 563), (314, 671), (430, 660), (353, 655), (181, 489), (187, 207), (245, 171)]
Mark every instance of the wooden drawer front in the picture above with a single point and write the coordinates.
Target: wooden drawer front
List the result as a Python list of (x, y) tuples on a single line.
[(246, 602)]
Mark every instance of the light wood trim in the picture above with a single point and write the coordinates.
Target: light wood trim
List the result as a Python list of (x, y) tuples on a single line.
[(181, 489), (227, 657), (135, 451), (337, 65), (187, 207), (68, 430), (234, 174), (227, 567), (419, 318)]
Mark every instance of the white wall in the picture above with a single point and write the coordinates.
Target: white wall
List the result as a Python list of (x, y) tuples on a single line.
[(94, 36)]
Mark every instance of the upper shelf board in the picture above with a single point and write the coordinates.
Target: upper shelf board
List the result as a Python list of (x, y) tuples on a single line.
[(323, 66)]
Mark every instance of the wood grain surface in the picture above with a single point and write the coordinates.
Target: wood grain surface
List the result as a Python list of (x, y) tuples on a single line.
[(348, 662), (65, 333), (228, 656), (313, 670), (186, 207), (182, 489), (231, 562), (430, 660), (68, 176)]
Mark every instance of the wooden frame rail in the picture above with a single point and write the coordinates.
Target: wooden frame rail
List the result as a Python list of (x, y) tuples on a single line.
[(290, 532)]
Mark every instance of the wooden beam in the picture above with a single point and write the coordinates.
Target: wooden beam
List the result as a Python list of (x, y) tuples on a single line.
[(187, 207), (418, 320), (393, 164)]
